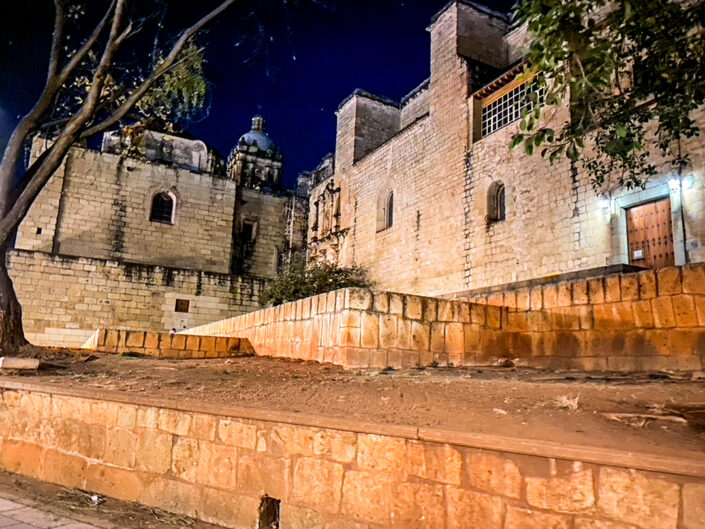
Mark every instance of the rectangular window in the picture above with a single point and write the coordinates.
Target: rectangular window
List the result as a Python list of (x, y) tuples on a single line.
[(182, 305), (507, 108), (248, 231)]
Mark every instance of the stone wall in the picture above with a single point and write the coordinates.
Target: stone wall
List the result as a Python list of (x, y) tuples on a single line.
[(645, 321), (65, 299), (269, 214), (166, 345), (99, 204), (648, 320), (216, 464)]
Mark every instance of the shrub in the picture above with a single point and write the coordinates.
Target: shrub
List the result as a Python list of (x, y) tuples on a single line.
[(297, 281)]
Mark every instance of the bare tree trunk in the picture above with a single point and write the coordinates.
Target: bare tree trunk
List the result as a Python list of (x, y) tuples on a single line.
[(11, 332)]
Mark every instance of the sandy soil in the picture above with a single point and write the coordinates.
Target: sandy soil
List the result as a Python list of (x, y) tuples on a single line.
[(665, 412)]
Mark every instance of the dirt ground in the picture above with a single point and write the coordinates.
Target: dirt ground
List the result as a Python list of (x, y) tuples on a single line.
[(659, 413), (90, 509)]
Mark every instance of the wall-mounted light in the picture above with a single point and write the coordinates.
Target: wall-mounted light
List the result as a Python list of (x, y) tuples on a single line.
[(605, 206)]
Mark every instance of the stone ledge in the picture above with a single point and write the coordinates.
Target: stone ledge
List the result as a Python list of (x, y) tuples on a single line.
[(689, 464)]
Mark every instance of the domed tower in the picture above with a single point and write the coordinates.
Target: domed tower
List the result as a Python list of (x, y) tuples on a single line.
[(255, 162)]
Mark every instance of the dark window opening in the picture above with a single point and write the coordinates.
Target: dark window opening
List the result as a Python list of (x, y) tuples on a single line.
[(248, 231), (182, 305), (269, 513), (496, 202), (162, 208), (390, 211), (39, 231)]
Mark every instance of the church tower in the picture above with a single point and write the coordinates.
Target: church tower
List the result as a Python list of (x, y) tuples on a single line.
[(255, 162)]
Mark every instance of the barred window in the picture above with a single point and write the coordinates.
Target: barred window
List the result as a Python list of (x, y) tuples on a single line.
[(507, 108)]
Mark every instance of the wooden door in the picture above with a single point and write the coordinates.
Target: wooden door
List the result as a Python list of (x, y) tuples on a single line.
[(650, 234)]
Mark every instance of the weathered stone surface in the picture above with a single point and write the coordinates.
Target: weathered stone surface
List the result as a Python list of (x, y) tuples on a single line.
[(377, 452), (367, 496), (118, 483), (587, 523), (526, 519), (237, 433), (435, 463), (120, 447), (494, 474), (573, 493), (184, 459), (153, 452), (632, 497), (338, 446), (318, 483), (203, 427), (694, 505), (217, 465), (173, 496), (227, 509), (295, 517), (173, 421), (63, 469), (258, 475), (471, 509), (417, 506)]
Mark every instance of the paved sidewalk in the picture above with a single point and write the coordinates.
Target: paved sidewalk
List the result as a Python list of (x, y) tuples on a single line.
[(15, 515)]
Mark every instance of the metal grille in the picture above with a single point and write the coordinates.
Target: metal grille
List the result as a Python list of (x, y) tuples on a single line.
[(507, 108)]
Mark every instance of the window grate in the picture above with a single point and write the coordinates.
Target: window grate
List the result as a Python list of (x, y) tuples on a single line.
[(507, 108)]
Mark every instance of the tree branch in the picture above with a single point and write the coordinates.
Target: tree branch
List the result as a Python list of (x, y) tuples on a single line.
[(30, 122), (163, 67)]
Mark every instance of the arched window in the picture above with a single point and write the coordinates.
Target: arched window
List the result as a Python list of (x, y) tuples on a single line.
[(162, 208), (385, 210), (496, 209), (389, 211)]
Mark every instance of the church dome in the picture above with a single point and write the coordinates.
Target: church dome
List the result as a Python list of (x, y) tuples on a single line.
[(257, 136)]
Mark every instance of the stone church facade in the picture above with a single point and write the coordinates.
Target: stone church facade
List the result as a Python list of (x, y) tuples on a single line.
[(426, 194), (157, 233)]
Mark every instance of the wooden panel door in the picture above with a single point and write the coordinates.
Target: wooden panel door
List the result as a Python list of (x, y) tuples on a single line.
[(650, 234)]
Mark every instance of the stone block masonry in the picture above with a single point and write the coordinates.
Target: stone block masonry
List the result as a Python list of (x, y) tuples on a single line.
[(166, 345), (65, 299), (644, 321), (217, 464)]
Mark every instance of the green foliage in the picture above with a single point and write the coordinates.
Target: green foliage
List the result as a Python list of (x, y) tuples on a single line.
[(297, 281), (622, 65), (180, 94)]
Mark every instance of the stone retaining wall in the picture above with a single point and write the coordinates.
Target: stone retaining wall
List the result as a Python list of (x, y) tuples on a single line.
[(644, 321), (217, 464), (359, 328), (654, 319), (166, 345)]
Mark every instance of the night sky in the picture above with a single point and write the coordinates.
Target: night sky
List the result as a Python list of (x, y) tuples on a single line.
[(312, 58)]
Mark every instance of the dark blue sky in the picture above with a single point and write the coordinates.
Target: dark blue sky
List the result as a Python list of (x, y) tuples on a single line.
[(315, 56)]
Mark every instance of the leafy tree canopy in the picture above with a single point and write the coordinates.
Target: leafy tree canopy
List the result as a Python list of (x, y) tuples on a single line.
[(623, 65), (297, 281)]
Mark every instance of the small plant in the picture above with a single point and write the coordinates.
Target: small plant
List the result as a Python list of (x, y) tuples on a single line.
[(298, 281)]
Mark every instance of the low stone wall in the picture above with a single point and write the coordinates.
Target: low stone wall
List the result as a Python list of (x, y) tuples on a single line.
[(654, 319), (644, 321), (359, 328), (217, 464), (65, 299), (166, 345)]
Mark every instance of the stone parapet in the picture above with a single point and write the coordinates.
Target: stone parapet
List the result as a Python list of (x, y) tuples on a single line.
[(166, 345), (650, 320), (217, 465)]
